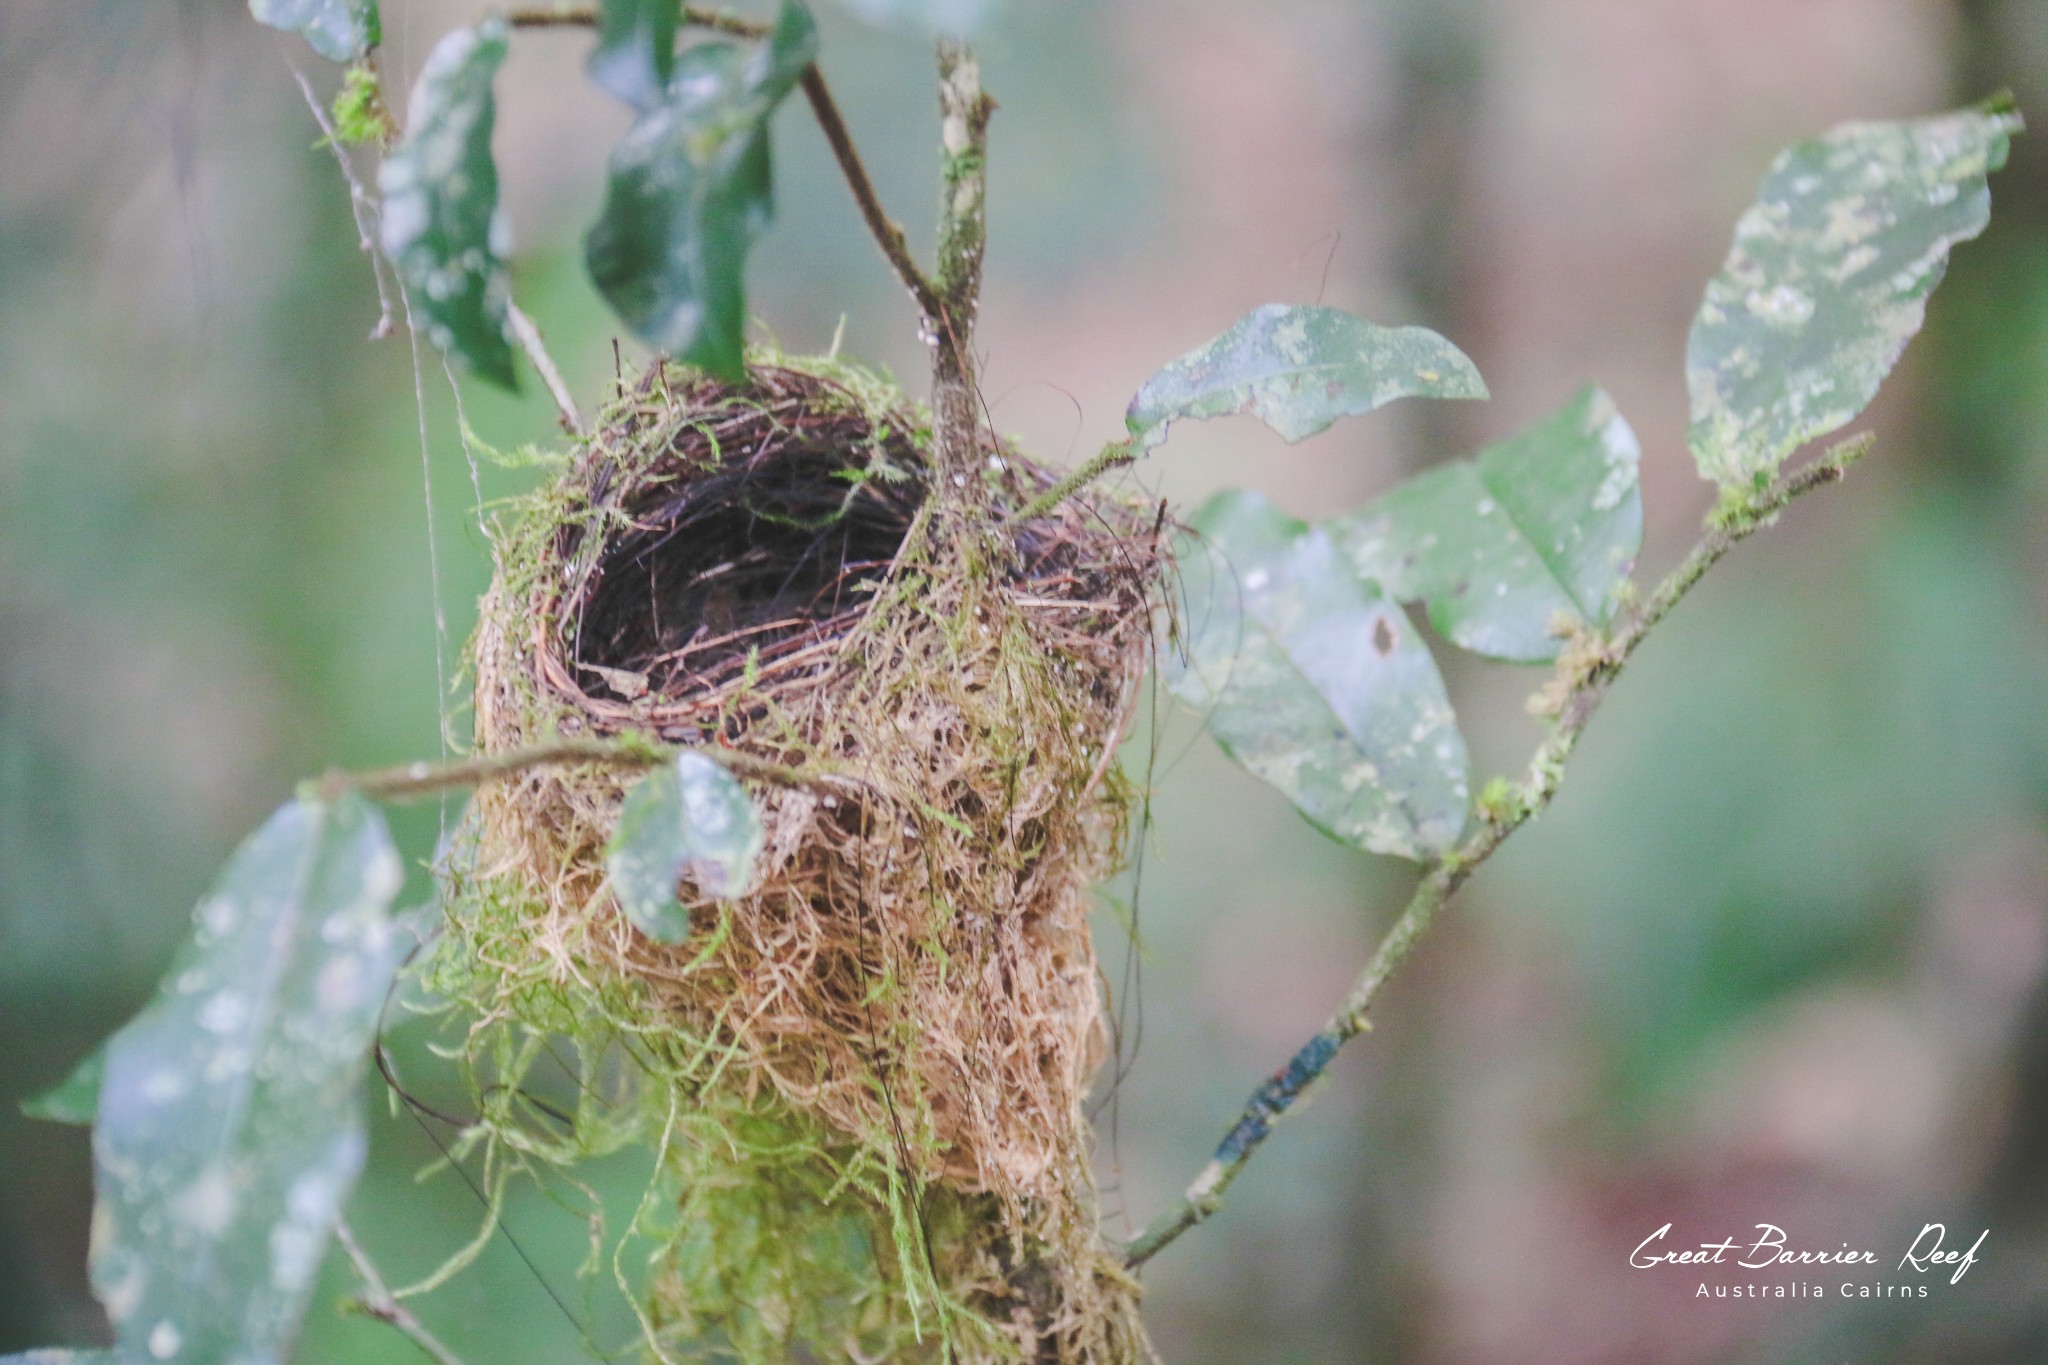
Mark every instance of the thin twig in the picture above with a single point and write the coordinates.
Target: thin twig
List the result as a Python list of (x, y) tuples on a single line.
[(1586, 674), (536, 350), (377, 1301), (585, 16), (424, 778), (888, 236)]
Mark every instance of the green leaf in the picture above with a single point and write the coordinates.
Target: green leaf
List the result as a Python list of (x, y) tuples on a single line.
[(1828, 280), (76, 1098), (1298, 370), (636, 50), (339, 30), (231, 1124), (1543, 523), (961, 17), (442, 229), (687, 818), (1314, 682), (690, 190)]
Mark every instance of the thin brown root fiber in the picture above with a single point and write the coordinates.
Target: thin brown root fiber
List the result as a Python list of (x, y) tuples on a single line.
[(866, 1076)]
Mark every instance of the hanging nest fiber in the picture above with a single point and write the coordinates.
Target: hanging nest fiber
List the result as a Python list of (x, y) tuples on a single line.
[(865, 1077)]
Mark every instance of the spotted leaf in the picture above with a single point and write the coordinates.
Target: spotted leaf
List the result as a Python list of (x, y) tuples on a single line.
[(230, 1123), (1298, 370), (688, 818), (1314, 681), (1828, 280), (441, 227), (1498, 546), (636, 49)]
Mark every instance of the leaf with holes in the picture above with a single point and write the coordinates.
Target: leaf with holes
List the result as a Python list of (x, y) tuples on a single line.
[(1298, 370), (1315, 682), (231, 1124), (442, 230), (636, 50), (689, 818), (1498, 546), (1828, 280), (339, 30), (689, 191)]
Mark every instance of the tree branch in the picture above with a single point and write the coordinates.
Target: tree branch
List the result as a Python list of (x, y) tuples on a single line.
[(553, 16), (377, 1300), (585, 16), (888, 236), (1586, 668), (410, 780), (880, 226), (963, 236)]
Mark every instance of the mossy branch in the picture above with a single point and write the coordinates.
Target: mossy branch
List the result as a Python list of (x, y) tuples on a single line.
[(408, 781), (1586, 668), (1115, 455), (963, 237)]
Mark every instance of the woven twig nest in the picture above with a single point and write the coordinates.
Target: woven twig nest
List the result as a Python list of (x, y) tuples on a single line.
[(892, 1034)]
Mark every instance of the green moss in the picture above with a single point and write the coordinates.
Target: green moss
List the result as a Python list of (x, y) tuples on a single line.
[(360, 116), (767, 1226), (1498, 801)]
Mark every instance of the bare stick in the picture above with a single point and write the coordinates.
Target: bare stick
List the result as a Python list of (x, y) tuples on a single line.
[(1584, 674), (880, 226), (585, 16), (536, 350), (377, 1301)]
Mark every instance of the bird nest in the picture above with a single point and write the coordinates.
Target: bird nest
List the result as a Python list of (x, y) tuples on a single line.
[(865, 1077)]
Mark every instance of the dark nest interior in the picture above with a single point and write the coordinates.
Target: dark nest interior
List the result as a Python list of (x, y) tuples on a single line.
[(766, 542), (885, 1044)]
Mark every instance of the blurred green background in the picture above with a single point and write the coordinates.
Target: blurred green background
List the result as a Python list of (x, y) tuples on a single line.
[(1775, 956)]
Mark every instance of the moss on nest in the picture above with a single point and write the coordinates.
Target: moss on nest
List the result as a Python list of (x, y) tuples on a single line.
[(864, 1079)]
